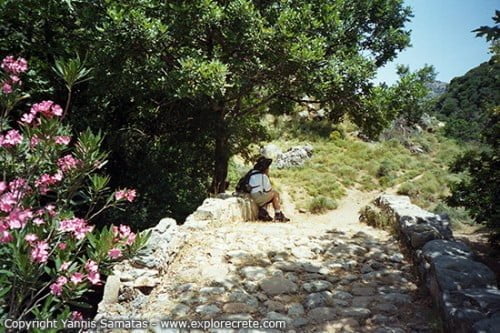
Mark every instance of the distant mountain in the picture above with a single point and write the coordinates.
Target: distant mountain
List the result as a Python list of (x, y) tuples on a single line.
[(437, 88), (466, 104)]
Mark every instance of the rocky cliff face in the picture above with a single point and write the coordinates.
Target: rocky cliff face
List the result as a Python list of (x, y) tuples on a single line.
[(437, 88)]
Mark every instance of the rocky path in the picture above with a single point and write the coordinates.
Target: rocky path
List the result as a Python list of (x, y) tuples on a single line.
[(325, 273)]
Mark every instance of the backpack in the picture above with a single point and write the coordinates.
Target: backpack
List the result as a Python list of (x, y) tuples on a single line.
[(243, 184)]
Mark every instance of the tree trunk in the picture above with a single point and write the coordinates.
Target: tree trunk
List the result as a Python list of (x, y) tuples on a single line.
[(222, 155)]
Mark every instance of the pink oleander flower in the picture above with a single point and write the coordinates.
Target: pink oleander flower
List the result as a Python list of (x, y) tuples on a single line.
[(6, 88), (11, 139), (18, 218), (128, 194), (56, 289), (130, 239), (15, 79), (40, 252), (64, 265), (50, 209), (94, 277), (62, 246), (77, 277), (62, 280), (38, 221), (115, 253), (34, 141), (46, 180), (18, 184), (91, 266), (77, 226), (30, 238), (62, 139), (75, 315), (5, 237), (67, 163), (27, 118), (46, 108), (124, 230), (14, 66), (7, 202)]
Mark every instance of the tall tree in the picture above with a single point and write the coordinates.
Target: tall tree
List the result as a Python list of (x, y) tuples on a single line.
[(179, 85), (242, 56)]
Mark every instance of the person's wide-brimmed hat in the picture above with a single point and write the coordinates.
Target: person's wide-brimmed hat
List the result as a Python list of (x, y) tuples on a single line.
[(262, 163)]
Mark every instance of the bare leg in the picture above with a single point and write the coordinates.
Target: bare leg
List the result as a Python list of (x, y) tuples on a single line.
[(276, 201)]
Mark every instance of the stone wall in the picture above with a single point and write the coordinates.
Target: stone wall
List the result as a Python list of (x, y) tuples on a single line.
[(463, 289), (132, 280)]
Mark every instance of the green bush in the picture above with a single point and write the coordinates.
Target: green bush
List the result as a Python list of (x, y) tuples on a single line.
[(321, 204), (456, 214)]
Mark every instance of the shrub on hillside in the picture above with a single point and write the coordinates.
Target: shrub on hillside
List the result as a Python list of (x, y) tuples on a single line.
[(321, 204), (51, 189)]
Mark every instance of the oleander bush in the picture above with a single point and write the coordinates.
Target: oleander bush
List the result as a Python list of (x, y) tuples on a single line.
[(51, 190)]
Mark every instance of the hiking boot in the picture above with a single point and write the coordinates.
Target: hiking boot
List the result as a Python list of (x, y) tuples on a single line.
[(280, 217), (264, 215)]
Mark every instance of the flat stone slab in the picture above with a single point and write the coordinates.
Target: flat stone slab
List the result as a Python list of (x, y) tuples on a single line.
[(317, 285), (322, 314), (457, 273), (441, 247), (277, 285)]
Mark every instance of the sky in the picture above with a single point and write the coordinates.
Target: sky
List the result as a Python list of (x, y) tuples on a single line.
[(441, 36)]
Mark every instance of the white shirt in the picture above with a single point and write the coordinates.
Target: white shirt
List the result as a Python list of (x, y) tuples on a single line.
[(259, 183)]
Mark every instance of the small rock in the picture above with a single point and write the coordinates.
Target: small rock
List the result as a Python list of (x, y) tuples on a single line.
[(253, 273), (207, 310), (211, 291), (379, 319), (362, 301), (318, 285), (242, 297), (146, 281), (366, 269), (238, 308), (299, 322), (397, 257), (321, 314), (287, 266), (397, 298), (311, 268), (386, 307), (302, 252), (320, 299), (295, 310), (363, 291), (276, 286), (339, 294), (180, 310), (185, 287), (251, 286), (361, 313), (274, 306), (111, 289)]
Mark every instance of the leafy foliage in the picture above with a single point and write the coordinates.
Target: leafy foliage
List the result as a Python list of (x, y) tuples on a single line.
[(51, 189), (179, 86), (465, 105), (480, 191)]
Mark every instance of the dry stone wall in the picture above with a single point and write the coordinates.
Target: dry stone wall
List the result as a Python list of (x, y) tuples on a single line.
[(463, 289), (132, 280)]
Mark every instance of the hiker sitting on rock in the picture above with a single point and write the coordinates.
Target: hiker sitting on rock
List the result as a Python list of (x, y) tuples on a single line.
[(262, 192)]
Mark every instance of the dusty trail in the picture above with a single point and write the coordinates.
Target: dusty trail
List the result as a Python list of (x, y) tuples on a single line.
[(319, 273)]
